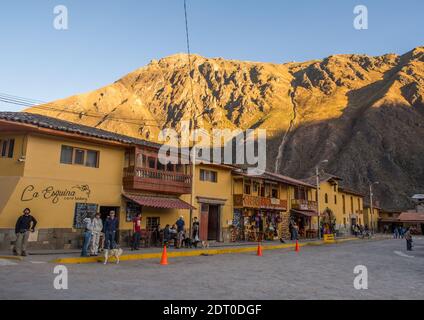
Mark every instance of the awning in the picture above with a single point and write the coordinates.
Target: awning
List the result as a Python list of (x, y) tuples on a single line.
[(414, 217), (158, 202), (305, 212)]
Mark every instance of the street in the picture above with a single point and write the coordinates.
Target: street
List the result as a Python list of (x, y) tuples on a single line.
[(316, 272)]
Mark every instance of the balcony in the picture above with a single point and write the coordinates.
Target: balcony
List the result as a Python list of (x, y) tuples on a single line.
[(306, 205), (248, 201), (154, 180)]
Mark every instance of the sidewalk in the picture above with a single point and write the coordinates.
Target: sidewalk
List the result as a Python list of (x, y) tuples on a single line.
[(72, 256)]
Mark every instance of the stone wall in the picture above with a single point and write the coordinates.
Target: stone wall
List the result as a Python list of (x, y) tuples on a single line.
[(44, 239)]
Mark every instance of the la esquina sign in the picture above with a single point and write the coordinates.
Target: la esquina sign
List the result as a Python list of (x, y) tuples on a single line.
[(76, 193)]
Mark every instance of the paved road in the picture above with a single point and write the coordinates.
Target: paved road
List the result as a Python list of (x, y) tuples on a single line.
[(321, 272)]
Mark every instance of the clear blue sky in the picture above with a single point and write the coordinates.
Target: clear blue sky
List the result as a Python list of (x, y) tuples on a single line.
[(108, 39)]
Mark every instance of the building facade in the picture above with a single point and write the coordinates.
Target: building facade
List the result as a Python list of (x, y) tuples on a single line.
[(340, 207), (65, 172)]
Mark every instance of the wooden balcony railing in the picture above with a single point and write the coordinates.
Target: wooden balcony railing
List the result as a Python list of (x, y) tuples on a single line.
[(157, 181), (248, 201), (301, 204)]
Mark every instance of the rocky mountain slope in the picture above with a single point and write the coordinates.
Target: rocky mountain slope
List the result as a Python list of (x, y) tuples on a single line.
[(364, 114)]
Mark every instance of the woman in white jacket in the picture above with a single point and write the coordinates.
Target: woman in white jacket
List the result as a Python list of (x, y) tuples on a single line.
[(97, 227)]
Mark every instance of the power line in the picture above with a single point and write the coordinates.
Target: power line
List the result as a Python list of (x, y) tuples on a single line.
[(13, 97), (25, 102), (189, 58)]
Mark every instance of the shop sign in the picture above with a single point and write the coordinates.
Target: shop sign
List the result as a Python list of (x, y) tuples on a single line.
[(55, 195)]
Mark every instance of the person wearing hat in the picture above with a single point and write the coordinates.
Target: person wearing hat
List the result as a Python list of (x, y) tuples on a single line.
[(25, 224)]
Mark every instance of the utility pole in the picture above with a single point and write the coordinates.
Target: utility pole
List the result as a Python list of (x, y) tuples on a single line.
[(318, 188), (317, 181), (371, 206)]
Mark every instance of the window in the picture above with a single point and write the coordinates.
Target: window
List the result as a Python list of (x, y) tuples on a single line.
[(152, 223), (262, 191), (170, 167), (152, 163), (77, 156), (359, 203), (66, 155), (274, 193), (161, 167), (335, 188), (344, 204), (208, 175), (7, 147), (335, 199), (131, 211), (326, 198), (92, 159), (300, 193), (247, 189), (82, 211), (351, 204)]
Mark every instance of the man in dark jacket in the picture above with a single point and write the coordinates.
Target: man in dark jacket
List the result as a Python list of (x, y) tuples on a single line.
[(408, 238), (111, 226), (25, 224)]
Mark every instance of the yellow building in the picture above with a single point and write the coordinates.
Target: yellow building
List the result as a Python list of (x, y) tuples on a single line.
[(212, 200), (266, 204), (339, 206), (64, 172), (371, 218)]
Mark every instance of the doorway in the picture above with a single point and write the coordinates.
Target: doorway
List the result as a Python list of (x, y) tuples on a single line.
[(104, 212), (213, 223), (210, 222)]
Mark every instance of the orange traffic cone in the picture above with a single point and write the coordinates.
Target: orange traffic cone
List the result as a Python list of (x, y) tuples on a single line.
[(259, 250), (164, 259), (297, 249)]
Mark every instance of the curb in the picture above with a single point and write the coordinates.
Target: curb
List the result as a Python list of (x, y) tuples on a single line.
[(12, 258), (173, 254)]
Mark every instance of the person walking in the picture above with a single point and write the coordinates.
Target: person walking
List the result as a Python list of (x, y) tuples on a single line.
[(111, 226), (408, 238), (180, 231), (136, 232), (24, 225), (88, 230), (97, 228), (395, 232)]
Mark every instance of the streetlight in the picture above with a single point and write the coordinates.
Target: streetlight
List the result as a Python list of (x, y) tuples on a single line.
[(371, 205), (318, 183)]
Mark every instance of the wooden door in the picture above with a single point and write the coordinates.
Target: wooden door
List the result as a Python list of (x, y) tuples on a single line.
[(213, 222), (204, 221)]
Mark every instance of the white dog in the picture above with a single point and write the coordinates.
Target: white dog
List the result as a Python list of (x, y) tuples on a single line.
[(205, 244), (113, 253)]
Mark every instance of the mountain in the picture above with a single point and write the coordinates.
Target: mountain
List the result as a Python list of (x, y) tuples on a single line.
[(364, 114)]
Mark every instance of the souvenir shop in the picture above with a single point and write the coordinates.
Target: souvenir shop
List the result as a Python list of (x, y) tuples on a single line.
[(256, 225), (303, 219)]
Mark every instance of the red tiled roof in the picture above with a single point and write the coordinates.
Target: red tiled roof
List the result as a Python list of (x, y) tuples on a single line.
[(158, 202), (412, 217), (275, 177)]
